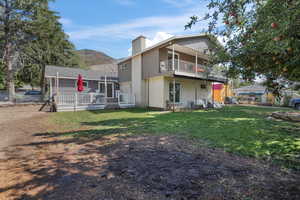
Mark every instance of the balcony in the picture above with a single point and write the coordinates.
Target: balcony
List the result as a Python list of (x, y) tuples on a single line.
[(195, 69), (190, 69)]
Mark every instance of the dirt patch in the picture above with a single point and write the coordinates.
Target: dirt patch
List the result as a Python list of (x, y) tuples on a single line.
[(145, 167), (18, 124)]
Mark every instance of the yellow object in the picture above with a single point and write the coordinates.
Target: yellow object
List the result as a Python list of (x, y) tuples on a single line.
[(220, 94)]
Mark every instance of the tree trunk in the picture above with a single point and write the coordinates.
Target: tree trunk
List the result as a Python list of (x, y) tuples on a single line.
[(43, 83), (8, 64)]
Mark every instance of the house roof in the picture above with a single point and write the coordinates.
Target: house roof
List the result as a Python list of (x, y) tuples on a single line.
[(72, 73), (165, 42), (251, 89)]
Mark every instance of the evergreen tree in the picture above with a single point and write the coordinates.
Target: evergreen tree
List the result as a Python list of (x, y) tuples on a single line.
[(31, 37), (51, 47)]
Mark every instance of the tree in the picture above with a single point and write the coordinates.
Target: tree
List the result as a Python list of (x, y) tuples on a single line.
[(51, 47), (15, 26), (262, 38), (31, 37)]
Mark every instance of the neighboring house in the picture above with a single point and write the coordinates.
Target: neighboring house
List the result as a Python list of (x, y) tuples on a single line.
[(259, 94), (254, 94), (172, 72), (100, 88)]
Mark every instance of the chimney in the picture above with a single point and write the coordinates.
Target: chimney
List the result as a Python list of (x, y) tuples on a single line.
[(138, 45)]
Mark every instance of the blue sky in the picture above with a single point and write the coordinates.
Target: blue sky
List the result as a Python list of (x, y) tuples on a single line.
[(110, 25)]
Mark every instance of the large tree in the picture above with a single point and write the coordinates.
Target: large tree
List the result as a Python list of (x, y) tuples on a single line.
[(31, 37), (50, 47), (262, 38), (15, 21)]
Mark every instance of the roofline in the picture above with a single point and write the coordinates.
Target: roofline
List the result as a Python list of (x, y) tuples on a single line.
[(164, 42), (80, 69)]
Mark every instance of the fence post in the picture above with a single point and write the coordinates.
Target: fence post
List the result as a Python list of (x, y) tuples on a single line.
[(75, 101), (91, 98)]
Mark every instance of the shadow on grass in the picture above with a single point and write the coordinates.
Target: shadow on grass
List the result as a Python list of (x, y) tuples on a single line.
[(241, 130)]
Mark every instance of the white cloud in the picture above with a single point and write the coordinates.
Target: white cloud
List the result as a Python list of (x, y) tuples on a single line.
[(148, 26), (65, 21), (159, 36)]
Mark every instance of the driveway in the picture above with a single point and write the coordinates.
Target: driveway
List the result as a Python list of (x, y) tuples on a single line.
[(18, 125)]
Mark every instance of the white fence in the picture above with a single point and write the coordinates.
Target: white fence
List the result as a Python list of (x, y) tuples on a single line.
[(78, 99)]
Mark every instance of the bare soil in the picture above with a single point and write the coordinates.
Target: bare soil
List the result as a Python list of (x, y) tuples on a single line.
[(44, 165)]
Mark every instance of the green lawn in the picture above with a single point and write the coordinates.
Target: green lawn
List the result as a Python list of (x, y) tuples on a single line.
[(242, 130)]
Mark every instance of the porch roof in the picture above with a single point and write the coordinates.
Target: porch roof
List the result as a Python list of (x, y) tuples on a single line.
[(72, 73), (187, 50)]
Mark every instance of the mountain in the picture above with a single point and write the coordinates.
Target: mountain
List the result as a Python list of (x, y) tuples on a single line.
[(92, 57)]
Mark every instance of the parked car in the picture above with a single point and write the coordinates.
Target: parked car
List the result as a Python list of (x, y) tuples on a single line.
[(33, 92), (295, 103)]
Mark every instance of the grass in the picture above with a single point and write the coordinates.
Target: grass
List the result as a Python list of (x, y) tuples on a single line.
[(241, 130)]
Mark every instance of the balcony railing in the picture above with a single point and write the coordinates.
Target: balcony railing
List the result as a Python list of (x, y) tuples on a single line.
[(186, 68)]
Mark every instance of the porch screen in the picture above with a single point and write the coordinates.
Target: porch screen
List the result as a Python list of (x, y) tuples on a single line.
[(177, 92)]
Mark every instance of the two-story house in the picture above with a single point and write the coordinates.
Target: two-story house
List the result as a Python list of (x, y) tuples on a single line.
[(172, 72)]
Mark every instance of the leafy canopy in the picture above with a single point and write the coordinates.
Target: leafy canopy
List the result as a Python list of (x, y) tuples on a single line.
[(262, 38)]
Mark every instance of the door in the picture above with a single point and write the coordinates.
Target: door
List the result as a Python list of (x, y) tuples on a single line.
[(110, 90)]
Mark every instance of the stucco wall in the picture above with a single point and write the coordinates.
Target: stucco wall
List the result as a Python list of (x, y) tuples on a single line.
[(138, 84), (156, 92), (190, 90)]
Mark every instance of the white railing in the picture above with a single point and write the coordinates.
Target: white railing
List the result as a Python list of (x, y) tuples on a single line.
[(78, 99), (190, 69)]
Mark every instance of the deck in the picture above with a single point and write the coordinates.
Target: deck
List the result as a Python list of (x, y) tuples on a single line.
[(92, 101)]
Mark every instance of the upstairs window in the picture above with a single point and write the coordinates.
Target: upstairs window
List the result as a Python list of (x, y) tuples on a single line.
[(124, 67)]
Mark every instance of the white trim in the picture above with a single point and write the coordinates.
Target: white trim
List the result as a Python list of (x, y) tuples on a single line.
[(173, 59), (73, 78)]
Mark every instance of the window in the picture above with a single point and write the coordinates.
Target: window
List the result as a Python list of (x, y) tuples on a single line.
[(203, 86), (102, 88), (124, 67), (177, 92), (85, 84)]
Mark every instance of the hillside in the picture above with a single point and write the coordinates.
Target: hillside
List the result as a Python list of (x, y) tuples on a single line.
[(92, 57)]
